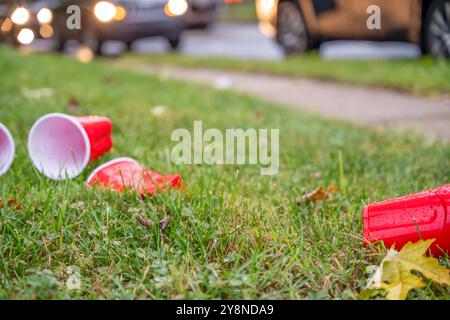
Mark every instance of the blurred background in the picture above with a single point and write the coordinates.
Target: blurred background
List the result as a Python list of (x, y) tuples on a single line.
[(265, 29)]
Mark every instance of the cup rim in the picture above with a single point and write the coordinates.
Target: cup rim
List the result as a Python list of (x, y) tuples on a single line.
[(83, 134), (10, 160), (108, 164)]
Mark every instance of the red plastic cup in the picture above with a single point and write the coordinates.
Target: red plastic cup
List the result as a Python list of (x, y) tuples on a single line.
[(424, 215), (7, 149), (127, 174), (61, 146)]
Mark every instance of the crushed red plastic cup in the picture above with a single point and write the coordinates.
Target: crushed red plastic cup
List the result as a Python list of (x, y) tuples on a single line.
[(7, 149), (424, 215), (123, 174), (61, 146)]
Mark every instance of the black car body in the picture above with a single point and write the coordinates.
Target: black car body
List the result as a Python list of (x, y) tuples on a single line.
[(139, 19), (201, 13), (3, 21)]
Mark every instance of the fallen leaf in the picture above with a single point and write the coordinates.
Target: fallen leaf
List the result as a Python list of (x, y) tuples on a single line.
[(147, 223), (11, 204), (332, 189), (164, 223), (165, 238), (108, 79), (316, 195), (73, 104), (394, 273)]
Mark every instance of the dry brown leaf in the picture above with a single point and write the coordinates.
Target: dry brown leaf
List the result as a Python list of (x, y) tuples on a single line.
[(332, 189), (108, 79), (73, 104), (164, 223), (165, 238), (317, 195), (147, 223), (12, 204)]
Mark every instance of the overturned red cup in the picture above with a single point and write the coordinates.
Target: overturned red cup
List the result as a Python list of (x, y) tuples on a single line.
[(123, 174), (7, 149), (61, 146), (424, 215)]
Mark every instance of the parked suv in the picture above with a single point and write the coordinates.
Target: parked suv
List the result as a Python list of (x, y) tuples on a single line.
[(122, 20), (301, 25)]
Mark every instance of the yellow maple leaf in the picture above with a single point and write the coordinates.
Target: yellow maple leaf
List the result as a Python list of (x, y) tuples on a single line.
[(394, 273)]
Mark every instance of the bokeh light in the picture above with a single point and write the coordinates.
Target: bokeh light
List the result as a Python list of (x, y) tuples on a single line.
[(45, 16), (25, 36), (105, 11), (84, 54), (46, 31), (176, 7), (20, 16), (121, 13)]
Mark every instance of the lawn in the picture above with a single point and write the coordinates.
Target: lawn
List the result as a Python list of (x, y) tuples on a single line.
[(241, 12), (424, 76), (232, 233)]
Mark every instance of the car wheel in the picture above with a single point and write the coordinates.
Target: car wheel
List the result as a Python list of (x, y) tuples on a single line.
[(292, 33), (129, 45), (437, 29), (58, 41), (90, 39), (174, 43)]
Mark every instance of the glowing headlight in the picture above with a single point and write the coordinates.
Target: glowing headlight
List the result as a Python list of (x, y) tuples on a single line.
[(25, 36), (176, 7), (105, 11), (267, 5), (44, 16), (20, 16), (121, 13)]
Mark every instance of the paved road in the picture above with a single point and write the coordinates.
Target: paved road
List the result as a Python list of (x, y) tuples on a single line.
[(231, 40), (246, 42), (377, 108)]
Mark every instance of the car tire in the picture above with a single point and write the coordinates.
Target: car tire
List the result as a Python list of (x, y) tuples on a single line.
[(174, 42), (59, 42), (292, 32), (90, 39), (129, 45), (436, 31)]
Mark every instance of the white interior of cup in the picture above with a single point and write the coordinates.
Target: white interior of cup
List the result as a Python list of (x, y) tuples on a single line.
[(59, 146), (7, 149)]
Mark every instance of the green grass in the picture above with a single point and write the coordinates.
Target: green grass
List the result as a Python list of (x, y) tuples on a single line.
[(424, 76), (233, 233), (238, 12)]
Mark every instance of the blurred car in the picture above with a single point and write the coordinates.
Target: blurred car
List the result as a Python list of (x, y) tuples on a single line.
[(3, 17), (201, 13), (121, 20), (301, 25), (22, 22)]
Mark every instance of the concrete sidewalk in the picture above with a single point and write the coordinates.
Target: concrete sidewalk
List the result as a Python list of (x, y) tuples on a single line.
[(378, 108)]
